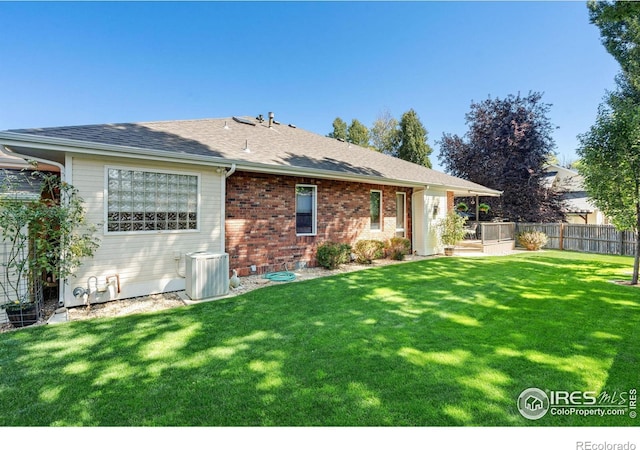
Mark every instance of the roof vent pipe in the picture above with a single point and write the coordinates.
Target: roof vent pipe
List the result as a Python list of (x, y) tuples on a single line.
[(271, 119)]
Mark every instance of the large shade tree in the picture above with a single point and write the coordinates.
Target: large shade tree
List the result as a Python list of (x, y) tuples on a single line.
[(610, 150), (619, 24), (610, 164), (506, 148)]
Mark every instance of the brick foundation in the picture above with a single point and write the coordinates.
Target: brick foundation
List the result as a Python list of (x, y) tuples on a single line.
[(261, 221)]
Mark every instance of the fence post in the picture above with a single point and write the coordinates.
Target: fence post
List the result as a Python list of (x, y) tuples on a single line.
[(621, 233), (561, 237)]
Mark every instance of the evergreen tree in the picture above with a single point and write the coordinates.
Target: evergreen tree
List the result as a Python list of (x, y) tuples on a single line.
[(339, 129), (413, 145), (358, 134)]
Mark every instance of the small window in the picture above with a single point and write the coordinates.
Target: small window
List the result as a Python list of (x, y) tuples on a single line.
[(376, 210), (306, 210), (139, 201), (401, 200)]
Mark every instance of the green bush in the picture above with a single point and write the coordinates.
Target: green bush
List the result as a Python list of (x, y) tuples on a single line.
[(398, 247), (368, 250), (451, 229), (331, 254), (532, 240)]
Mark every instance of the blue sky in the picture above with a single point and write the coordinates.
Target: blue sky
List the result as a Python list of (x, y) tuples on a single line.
[(73, 63)]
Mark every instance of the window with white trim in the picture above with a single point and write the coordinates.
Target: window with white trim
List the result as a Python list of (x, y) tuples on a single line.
[(401, 207), (375, 198), (306, 206), (151, 201)]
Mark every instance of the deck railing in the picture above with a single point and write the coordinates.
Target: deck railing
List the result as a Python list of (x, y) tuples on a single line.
[(493, 232)]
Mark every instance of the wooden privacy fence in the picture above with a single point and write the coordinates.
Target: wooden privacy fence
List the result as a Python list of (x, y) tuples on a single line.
[(604, 239)]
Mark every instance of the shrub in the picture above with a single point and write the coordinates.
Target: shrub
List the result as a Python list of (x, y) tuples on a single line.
[(532, 240), (331, 254), (398, 247), (451, 229), (368, 250)]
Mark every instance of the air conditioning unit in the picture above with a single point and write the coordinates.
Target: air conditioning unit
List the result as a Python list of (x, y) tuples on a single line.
[(206, 275)]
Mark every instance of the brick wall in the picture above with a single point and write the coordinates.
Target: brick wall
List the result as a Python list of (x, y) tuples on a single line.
[(450, 201), (261, 221)]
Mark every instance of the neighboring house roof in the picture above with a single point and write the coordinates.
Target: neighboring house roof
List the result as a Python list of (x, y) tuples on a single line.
[(247, 142), (570, 183)]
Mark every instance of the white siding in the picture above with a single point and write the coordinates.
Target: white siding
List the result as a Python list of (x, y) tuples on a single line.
[(144, 261), (425, 237)]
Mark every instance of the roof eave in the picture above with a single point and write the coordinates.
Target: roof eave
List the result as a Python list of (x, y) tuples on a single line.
[(11, 139)]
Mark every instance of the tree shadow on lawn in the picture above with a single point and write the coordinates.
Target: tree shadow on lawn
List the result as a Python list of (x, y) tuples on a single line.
[(441, 342)]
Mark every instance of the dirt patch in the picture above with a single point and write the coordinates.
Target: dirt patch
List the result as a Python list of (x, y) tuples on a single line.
[(147, 303), (625, 283)]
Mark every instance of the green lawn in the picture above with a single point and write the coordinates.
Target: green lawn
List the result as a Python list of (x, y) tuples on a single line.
[(446, 341)]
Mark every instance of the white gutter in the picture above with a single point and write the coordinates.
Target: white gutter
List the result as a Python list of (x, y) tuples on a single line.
[(40, 160)]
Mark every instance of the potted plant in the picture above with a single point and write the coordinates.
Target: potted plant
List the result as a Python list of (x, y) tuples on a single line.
[(45, 239), (451, 231), (462, 207), (483, 208)]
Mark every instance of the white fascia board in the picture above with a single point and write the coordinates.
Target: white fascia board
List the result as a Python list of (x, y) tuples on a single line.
[(67, 146)]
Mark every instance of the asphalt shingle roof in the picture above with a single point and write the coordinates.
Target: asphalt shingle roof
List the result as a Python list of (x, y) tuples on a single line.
[(277, 146)]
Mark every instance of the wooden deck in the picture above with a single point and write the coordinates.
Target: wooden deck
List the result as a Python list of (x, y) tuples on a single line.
[(471, 247)]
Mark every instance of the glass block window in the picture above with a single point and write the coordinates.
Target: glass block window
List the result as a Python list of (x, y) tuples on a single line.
[(151, 201)]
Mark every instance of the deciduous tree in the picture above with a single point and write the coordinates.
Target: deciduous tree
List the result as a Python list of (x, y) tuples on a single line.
[(385, 134), (610, 150), (619, 23), (506, 148)]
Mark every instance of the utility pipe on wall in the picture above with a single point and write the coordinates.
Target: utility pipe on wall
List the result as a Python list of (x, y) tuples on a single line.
[(223, 211)]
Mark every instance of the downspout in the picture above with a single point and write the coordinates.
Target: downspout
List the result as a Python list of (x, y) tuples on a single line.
[(223, 207), (63, 176), (41, 160), (231, 171)]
